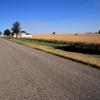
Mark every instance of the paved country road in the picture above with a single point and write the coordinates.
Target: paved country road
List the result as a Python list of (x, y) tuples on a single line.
[(29, 74)]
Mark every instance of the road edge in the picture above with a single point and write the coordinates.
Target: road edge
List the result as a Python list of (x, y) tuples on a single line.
[(79, 61)]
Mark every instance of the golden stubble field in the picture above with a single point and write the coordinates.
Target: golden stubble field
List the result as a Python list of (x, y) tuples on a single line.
[(86, 38)]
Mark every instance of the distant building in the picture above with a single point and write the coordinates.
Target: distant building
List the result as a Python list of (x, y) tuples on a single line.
[(23, 34), (1, 35)]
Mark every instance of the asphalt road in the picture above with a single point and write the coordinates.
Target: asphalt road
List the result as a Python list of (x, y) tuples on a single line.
[(29, 74)]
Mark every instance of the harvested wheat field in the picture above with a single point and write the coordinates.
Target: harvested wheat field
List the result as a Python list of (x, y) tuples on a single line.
[(87, 38)]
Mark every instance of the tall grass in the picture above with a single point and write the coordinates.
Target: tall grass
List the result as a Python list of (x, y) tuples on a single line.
[(55, 47), (91, 48)]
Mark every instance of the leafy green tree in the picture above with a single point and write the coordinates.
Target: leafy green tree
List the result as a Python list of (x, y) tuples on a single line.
[(7, 32), (16, 28)]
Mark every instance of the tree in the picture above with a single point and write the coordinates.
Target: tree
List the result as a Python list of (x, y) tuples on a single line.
[(7, 32), (23, 31), (0, 32), (12, 34), (53, 33), (99, 32), (16, 28)]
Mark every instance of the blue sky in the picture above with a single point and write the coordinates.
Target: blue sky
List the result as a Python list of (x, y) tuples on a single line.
[(46, 16)]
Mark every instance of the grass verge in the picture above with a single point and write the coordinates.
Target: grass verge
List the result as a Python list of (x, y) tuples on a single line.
[(49, 47)]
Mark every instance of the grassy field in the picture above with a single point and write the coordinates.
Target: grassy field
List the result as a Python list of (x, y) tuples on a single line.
[(86, 38), (49, 46)]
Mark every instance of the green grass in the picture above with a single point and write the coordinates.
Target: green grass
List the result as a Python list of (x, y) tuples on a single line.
[(49, 46)]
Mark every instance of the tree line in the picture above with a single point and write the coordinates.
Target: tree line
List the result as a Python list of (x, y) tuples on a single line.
[(14, 30)]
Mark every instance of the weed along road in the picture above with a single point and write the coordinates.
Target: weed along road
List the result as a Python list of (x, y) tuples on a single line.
[(29, 74)]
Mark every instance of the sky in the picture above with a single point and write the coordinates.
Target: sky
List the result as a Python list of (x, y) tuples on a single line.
[(47, 16)]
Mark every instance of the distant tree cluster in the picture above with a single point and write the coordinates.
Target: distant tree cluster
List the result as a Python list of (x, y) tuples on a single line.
[(99, 32), (0, 32), (15, 30), (7, 32), (94, 32), (54, 33)]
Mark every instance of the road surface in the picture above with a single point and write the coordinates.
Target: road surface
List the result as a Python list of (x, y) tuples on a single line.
[(29, 74)]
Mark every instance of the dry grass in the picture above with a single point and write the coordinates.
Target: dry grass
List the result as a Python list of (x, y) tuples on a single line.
[(84, 58), (86, 38)]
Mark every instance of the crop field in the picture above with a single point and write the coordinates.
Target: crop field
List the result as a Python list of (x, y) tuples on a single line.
[(85, 38)]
